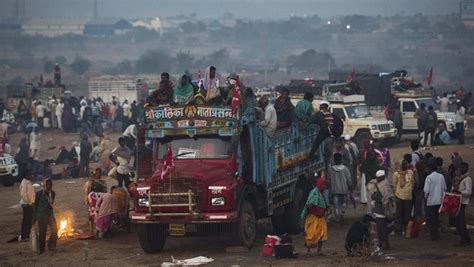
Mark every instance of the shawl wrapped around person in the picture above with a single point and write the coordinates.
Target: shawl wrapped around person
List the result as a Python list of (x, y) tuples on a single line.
[(304, 110), (106, 208), (315, 224), (285, 111), (211, 85), (183, 93)]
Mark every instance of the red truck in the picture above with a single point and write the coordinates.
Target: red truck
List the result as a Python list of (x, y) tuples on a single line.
[(228, 173)]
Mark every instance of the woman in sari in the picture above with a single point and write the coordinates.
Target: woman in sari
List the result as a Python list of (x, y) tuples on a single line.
[(315, 227), (183, 91), (106, 208)]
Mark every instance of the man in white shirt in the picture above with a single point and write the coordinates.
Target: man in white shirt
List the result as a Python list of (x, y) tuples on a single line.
[(59, 113), (121, 156), (464, 187), (126, 113), (40, 109), (269, 124), (434, 188), (444, 103), (27, 194), (460, 117)]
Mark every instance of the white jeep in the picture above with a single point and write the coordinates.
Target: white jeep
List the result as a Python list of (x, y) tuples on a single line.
[(8, 170)]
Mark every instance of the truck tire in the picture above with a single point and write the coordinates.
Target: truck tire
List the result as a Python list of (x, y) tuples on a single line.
[(8, 181), (245, 229), (152, 237), (293, 212), (360, 137)]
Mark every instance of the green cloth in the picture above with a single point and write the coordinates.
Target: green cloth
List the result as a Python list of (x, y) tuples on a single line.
[(303, 110), (183, 94), (315, 198)]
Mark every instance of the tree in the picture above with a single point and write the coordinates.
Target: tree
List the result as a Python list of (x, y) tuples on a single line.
[(184, 61), (154, 61), (48, 66), (310, 60), (80, 65)]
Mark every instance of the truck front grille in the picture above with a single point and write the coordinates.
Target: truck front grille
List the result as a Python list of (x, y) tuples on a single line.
[(178, 185), (384, 127)]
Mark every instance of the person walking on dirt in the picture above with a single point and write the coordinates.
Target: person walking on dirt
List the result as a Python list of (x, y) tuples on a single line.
[(403, 181), (27, 200), (121, 156), (85, 152), (434, 188), (315, 227), (381, 191), (339, 182), (22, 156), (430, 127), (460, 118), (44, 216), (463, 185)]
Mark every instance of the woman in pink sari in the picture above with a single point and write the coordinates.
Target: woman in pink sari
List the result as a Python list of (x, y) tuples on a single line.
[(106, 208)]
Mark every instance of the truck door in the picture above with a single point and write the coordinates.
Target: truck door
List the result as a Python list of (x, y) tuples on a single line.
[(408, 113), (144, 154)]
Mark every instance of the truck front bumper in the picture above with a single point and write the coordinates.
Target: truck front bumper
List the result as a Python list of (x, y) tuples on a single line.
[(211, 217), (376, 134), (9, 170)]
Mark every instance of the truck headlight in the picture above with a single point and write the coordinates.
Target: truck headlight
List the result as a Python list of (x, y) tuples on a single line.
[(450, 119), (143, 202), (218, 201)]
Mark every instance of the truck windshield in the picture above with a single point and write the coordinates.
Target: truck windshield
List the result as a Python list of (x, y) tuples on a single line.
[(198, 147), (356, 112), (428, 102)]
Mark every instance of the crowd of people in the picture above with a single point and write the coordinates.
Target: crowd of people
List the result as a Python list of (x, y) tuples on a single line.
[(399, 198)]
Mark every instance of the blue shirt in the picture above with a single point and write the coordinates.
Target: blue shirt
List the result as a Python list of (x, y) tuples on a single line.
[(445, 138)]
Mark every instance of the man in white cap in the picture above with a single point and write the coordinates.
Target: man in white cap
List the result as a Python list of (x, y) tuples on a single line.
[(324, 119), (381, 193)]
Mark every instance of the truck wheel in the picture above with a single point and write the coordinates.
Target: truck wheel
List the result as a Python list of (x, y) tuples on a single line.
[(152, 237), (245, 229), (361, 136), (8, 181), (293, 211)]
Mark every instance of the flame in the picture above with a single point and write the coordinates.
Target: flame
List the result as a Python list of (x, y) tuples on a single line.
[(65, 228)]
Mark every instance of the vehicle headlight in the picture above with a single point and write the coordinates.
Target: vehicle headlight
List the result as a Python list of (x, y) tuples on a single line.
[(143, 202), (373, 127), (450, 119), (218, 201)]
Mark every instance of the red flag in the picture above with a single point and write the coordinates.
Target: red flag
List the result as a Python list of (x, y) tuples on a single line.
[(236, 96), (430, 76), (168, 164), (351, 76)]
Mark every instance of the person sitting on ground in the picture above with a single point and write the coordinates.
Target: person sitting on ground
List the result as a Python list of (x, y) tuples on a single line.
[(269, 123), (316, 231), (72, 170), (284, 109), (183, 91), (358, 237), (63, 156), (442, 136), (304, 108)]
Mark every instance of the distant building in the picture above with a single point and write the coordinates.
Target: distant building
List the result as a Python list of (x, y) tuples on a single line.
[(52, 27), (10, 25), (107, 27)]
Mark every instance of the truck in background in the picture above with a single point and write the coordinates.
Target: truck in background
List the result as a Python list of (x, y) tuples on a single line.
[(122, 87), (228, 173)]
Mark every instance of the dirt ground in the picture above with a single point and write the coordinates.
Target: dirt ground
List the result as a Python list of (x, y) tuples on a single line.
[(123, 248)]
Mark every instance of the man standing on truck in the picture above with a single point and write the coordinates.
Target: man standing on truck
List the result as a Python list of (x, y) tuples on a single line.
[(430, 128), (324, 119), (269, 123), (57, 75)]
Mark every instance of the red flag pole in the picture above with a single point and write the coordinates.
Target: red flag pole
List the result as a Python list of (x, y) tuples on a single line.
[(430, 76)]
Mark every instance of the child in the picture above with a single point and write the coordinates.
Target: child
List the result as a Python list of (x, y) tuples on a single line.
[(316, 231), (44, 215)]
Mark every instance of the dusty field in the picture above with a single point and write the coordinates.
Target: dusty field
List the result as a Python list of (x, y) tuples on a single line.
[(123, 249)]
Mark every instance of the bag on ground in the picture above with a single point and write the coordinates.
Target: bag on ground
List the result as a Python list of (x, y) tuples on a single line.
[(268, 248)]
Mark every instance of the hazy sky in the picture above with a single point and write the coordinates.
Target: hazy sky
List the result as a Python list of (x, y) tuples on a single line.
[(254, 9)]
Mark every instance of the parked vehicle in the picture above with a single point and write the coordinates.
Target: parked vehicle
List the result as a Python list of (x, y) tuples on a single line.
[(8, 170)]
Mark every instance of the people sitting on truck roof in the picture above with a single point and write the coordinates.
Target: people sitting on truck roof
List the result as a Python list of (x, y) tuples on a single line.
[(162, 95), (231, 82), (165, 77), (210, 83), (284, 109), (304, 108), (269, 123), (183, 91)]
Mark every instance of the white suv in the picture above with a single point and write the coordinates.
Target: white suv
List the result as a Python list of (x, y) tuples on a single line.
[(8, 170)]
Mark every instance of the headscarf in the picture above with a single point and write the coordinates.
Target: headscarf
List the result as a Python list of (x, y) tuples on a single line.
[(210, 85), (182, 94), (320, 184)]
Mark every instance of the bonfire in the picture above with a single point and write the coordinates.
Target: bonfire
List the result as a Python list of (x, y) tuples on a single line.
[(65, 228)]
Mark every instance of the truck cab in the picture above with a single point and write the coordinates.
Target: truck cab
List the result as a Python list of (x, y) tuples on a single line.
[(359, 123), (227, 173)]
